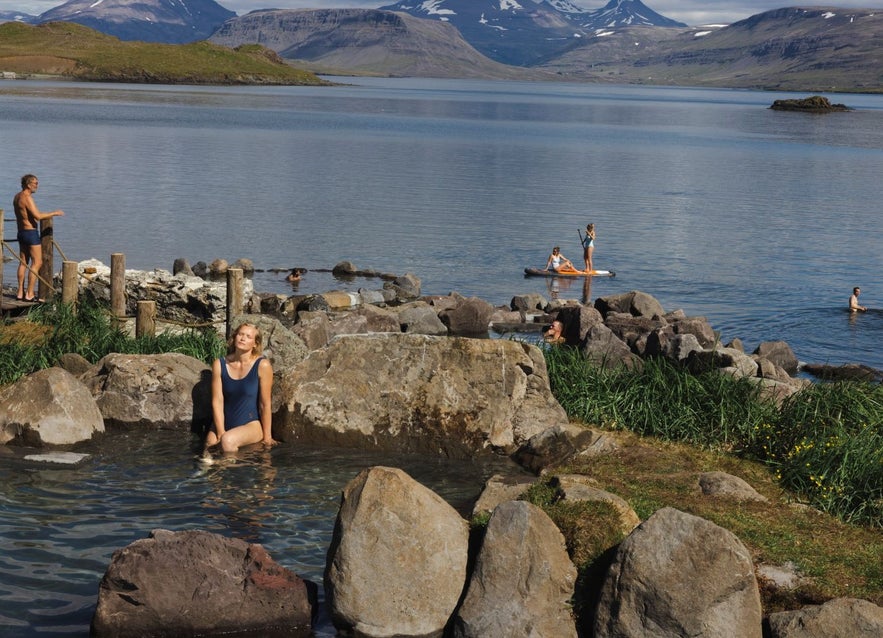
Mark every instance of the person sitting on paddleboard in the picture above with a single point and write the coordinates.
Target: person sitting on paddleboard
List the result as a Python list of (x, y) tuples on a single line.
[(589, 246), (558, 262)]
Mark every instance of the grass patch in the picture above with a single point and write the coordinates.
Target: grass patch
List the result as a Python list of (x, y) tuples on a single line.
[(817, 458), (839, 559), (51, 330), (824, 443), (73, 50)]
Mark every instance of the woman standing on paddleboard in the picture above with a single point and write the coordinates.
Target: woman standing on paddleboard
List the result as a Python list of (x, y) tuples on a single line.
[(589, 246)]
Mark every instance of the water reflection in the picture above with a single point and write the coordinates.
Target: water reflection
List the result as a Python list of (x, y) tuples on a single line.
[(555, 286), (240, 494)]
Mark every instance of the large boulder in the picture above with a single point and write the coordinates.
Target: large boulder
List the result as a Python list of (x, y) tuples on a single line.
[(604, 348), (679, 575), (780, 353), (470, 316), (523, 579), (554, 446), (397, 560), (636, 303), (166, 391), (418, 317), (448, 395), (838, 618), (49, 407), (195, 583), (313, 327)]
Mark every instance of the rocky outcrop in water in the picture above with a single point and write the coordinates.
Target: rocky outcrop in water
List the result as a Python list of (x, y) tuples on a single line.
[(195, 583), (814, 104)]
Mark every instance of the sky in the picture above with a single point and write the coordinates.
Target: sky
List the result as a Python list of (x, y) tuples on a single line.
[(692, 12)]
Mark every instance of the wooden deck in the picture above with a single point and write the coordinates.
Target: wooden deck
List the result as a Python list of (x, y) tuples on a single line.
[(8, 303)]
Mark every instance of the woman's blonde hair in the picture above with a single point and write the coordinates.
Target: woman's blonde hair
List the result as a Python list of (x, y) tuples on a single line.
[(258, 339)]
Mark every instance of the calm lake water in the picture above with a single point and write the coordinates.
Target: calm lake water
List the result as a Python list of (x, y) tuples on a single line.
[(759, 220)]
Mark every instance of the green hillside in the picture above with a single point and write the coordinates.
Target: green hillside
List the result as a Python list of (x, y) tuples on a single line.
[(77, 52)]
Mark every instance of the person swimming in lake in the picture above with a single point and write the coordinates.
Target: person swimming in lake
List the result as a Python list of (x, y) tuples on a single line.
[(854, 305), (242, 384), (559, 262), (589, 246), (295, 275)]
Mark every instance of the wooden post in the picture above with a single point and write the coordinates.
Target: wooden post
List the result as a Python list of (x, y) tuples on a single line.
[(69, 283), (118, 285), (145, 319), (2, 221), (234, 297), (44, 290)]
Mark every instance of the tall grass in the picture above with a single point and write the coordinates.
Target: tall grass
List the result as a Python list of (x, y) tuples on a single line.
[(54, 329), (825, 442)]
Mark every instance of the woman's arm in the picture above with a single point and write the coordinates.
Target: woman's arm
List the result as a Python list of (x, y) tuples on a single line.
[(265, 374), (217, 399)]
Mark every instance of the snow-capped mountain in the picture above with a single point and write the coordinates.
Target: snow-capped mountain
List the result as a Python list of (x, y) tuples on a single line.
[(170, 21), (523, 32), (624, 13)]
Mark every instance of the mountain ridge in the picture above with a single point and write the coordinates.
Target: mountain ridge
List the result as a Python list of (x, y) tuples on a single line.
[(523, 33), (175, 22)]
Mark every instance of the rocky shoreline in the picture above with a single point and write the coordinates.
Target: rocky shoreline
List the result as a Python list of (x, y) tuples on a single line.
[(394, 370)]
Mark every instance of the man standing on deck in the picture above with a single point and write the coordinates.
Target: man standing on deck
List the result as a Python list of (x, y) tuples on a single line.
[(28, 218)]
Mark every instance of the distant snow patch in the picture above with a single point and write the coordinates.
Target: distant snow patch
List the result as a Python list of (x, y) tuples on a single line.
[(95, 4), (509, 4), (601, 34), (828, 14), (431, 7), (699, 34)]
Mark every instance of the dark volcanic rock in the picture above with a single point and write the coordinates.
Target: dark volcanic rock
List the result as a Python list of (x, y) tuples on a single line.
[(814, 104)]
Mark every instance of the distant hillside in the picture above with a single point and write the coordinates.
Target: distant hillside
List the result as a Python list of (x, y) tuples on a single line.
[(356, 41), (798, 49), (16, 16), (74, 51), (171, 22), (524, 33)]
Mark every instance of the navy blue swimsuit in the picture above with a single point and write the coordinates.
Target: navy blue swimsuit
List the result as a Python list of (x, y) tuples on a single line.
[(241, 396)]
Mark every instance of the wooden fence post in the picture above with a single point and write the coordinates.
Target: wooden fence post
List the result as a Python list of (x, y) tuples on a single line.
[(234, 297), (145, 319), (44, 290), (118, 285), (69, 283), (1, 253)]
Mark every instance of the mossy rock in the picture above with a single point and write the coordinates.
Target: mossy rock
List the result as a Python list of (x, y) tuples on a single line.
[(813, 104)]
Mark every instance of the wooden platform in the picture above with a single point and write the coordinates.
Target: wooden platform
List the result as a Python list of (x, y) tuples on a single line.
[(8, 303)]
